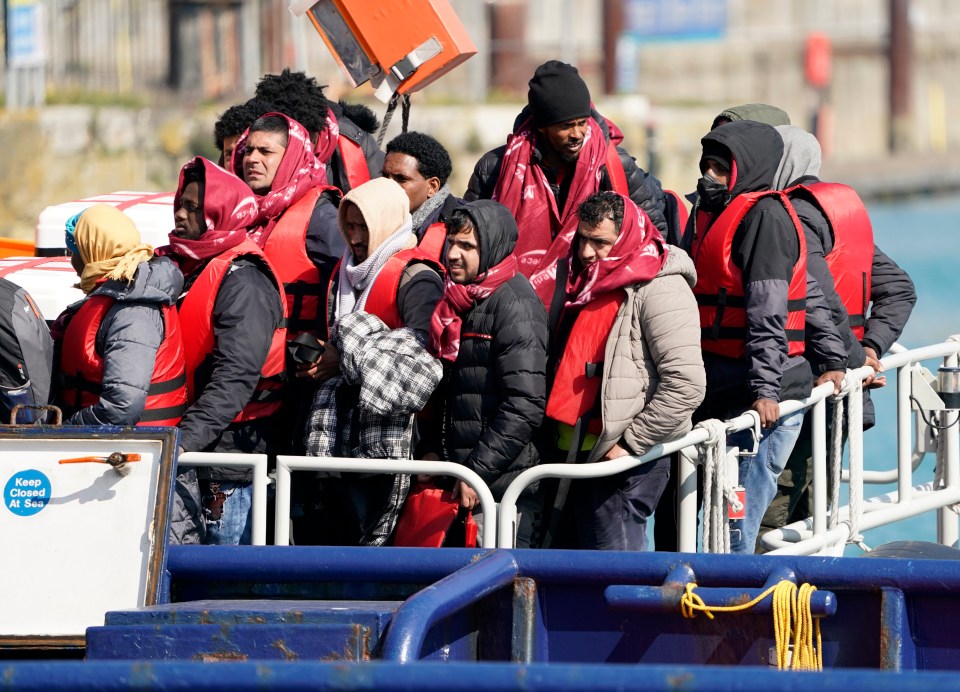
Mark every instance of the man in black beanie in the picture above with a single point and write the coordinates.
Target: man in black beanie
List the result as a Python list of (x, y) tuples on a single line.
[(561, 151)]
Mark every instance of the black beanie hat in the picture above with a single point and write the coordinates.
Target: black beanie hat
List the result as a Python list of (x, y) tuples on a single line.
[(712, 149), (557, 94)]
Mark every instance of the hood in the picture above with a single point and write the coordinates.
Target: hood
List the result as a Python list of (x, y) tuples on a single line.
[(156, 281), (496, 231), (679, 262), (801, 156), (757, 112), (385, 208), (755, 151)]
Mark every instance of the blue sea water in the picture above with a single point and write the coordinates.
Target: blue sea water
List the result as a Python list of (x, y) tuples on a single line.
[(920, 234)]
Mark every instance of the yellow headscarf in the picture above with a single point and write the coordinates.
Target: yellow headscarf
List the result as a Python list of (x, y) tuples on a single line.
[(109, 245)]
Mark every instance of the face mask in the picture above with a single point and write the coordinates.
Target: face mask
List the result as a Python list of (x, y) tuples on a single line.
[(714, 195)]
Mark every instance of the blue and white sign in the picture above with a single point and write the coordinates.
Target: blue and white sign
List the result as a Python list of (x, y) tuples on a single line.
[(26, 45), (27, 492), (675, 19)]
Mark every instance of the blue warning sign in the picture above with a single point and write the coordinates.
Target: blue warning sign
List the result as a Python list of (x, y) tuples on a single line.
[(27, 492)]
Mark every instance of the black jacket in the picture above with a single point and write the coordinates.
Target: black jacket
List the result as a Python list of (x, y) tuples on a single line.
[(496, 389), (336, 171), (765, 248), (645, 190), (246, 312)]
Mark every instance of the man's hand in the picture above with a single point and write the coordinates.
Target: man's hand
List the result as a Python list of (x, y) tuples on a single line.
[(769, 411), (615, 452), (468, 498), (327, 366), (873, 360), (835, 376)]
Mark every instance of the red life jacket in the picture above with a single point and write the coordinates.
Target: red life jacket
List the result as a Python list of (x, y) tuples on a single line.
[(719, 289), (576, 387), (286, 248), (196, 313), (354, 162), (851, 259), (382, 300), (433, 241), (82, 367)]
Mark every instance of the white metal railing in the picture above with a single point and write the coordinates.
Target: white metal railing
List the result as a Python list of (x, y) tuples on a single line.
[(806, 537), (287, 464), (812, 535), (258, 464)]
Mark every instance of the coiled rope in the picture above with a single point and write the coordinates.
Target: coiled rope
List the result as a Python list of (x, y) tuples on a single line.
[(718, 490), (793, 622)]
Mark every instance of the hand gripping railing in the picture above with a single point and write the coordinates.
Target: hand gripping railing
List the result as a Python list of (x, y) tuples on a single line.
[(909, 499), (258, 464), (286, 464)]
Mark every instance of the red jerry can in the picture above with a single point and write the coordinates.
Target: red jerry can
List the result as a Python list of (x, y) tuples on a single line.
[(398, 45)]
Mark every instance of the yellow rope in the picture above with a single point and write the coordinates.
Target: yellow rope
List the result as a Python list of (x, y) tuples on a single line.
[(790, 605)]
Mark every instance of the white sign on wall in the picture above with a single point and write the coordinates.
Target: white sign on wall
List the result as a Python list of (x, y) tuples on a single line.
[(79, 539)]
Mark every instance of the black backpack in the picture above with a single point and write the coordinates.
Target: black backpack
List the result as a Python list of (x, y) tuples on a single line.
[(26, 354)]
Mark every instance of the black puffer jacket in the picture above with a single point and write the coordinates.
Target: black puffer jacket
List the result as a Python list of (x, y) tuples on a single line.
[(645, 189), (497, 386)]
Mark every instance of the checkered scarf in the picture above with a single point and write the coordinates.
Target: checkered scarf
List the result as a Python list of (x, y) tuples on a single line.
[(368, 411)]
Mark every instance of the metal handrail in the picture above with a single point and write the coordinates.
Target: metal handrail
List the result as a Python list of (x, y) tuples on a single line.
[(286, 464), (258, 464)]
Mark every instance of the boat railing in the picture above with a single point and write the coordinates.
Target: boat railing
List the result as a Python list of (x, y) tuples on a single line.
[(822, 533), (257, 463), (829, 529), (287, 464)]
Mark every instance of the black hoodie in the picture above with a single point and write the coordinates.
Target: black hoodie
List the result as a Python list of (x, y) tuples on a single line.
[(765, 248), (497, 386)]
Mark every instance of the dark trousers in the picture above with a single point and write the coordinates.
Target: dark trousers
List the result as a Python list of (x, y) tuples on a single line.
[(611, 513)]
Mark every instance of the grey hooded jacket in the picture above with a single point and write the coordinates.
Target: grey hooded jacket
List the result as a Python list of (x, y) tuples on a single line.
[(128, 339), (653, 376)]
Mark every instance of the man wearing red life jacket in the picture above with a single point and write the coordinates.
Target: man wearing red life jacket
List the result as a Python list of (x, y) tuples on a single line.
[(384, 291), (853, 273), (561, 152), (626, 366), (751, 290), (232, 312), (120, 349), (341, 133), (296, 213), (421, 165), (491, 331)]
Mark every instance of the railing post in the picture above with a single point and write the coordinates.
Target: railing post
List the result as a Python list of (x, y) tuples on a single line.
[(687, 510), (904, 453), (281, 524), (261, 483), (818, 419), (948, 530)]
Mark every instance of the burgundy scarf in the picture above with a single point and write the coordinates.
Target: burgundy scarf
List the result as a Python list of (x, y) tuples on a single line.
[(545, 233), (446, 322), (327, 140), (299, 172), (229, 206), (637, 256)]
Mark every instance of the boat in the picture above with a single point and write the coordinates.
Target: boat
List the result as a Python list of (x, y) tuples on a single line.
[(91, 576)]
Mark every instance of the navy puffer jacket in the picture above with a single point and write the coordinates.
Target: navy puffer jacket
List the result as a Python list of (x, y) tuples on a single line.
[(497, 386)]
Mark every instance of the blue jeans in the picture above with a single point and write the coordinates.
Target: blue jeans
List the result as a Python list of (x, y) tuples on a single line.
[(758, 475), (228, 510)]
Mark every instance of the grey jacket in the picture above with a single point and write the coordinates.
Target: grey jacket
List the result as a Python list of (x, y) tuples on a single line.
[(128, 339), (653, 375)]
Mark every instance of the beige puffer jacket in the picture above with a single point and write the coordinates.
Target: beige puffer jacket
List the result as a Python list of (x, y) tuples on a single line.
[(653, 376)]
